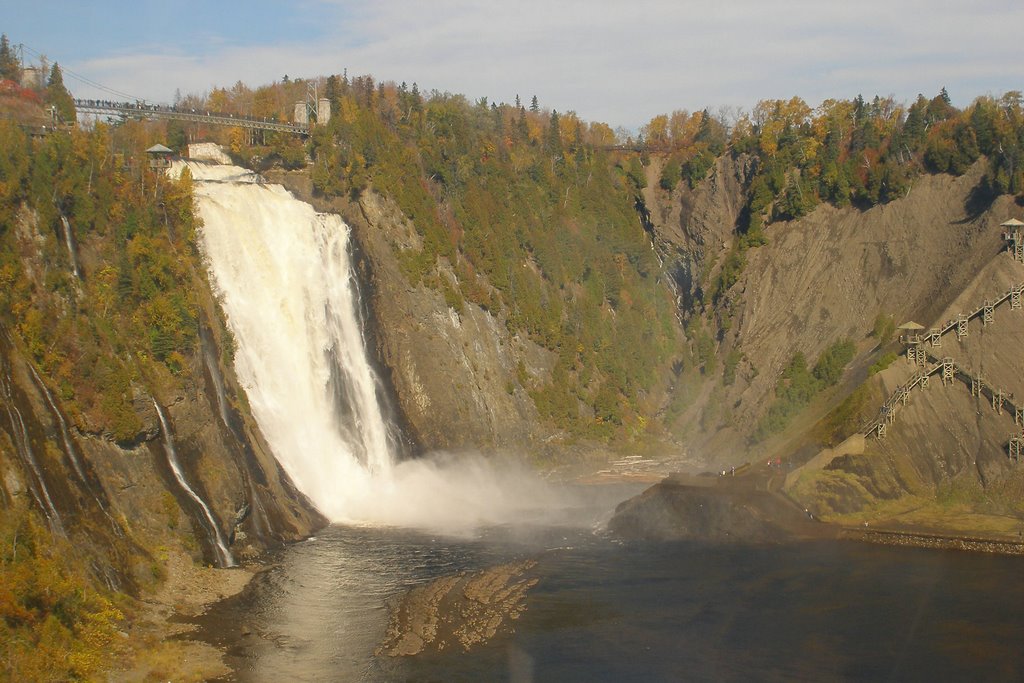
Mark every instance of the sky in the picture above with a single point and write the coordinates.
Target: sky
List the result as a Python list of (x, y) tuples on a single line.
[(617, 62)]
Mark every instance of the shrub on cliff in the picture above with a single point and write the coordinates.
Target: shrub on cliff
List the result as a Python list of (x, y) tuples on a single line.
[(53, 624), (798, 385)]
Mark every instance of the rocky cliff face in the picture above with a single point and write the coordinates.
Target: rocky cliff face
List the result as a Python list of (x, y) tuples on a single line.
[(694, 228), (924, 257), (119, 501), (458, 376), (946, 449)]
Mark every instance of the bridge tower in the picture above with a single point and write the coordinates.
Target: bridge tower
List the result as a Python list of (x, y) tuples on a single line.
[(313, 108)]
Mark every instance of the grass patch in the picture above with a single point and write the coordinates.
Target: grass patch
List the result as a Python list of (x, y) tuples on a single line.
[(846, 418), (882, 363)]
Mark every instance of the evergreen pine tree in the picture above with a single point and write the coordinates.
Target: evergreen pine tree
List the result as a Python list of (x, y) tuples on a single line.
[(58, 97), (554, 138), (10, 69), (534, 106)]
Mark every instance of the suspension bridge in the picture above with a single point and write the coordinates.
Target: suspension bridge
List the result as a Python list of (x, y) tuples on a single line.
[(142, 110), (126, 107)]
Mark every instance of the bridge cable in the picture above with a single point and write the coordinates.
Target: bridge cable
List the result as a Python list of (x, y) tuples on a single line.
[(83, 79)]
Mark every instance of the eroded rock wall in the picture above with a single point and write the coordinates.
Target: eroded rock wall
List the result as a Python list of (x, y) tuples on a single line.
[(118, 502), (457, 375), (821, 279)]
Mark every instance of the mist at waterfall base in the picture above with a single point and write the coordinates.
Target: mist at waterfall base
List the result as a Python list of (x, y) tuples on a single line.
[(283, 275), (460, 494)]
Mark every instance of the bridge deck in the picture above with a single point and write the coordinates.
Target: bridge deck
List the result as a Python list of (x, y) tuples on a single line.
[(128, 110)]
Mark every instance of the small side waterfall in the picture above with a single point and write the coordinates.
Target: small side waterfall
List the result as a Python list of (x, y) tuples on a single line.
[(224, 558), (69, 240), (62, 426), (210, 360), (230, 420), (23, 447), (92, 487)]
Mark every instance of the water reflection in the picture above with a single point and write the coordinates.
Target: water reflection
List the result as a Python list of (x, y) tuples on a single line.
[(611, 611)]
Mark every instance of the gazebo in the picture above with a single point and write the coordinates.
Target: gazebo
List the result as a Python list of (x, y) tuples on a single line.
[(1012, 234), (160, 157), (910, 332)]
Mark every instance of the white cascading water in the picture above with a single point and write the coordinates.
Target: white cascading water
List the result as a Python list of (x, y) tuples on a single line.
[(282, 274), (69, 242), (62, 426), (23, 446), (224, 558)]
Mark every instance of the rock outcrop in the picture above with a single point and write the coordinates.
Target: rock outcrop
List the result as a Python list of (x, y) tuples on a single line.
[(712, 509), (463, 610)]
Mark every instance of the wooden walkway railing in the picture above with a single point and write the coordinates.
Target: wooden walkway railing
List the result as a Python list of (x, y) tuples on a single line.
[(949, 372)]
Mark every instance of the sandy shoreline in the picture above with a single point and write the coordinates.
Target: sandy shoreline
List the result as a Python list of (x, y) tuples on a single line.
[(158, 633)]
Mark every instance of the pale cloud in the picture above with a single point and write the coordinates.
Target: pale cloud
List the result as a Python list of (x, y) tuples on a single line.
[(620, 62)]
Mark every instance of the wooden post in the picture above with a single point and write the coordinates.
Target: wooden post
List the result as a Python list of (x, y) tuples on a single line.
[(1015, 291), (1015, 447), (947, 370), (961, 326), (987, 313), (997, 401)]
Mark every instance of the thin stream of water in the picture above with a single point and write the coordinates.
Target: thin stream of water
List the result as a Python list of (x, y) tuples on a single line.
[(224, 557)]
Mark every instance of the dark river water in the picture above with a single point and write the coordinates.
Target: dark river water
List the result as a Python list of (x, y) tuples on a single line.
[(612, 610)]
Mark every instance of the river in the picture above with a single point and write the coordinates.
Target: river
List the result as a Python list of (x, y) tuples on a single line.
[(609, 610)]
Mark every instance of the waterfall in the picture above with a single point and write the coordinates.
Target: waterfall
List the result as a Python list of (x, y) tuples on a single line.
[(224, 558), (69, 240), (259, 514), (282, 273), (210, 360), (62, 425), (23, 447), (72, 453)]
